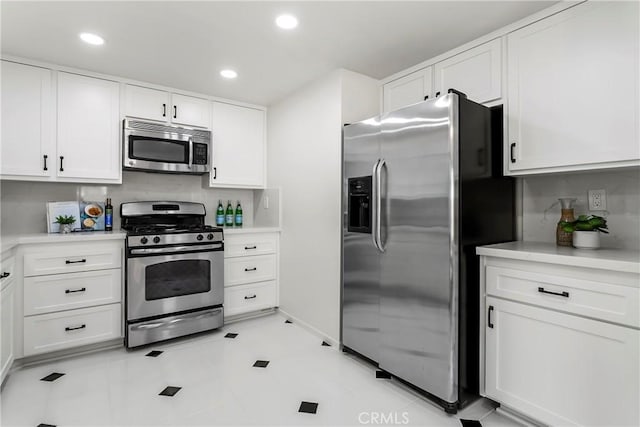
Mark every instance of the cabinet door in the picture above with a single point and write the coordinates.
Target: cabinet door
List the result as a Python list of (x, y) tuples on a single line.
[(7, 301), (145, 103), (573, 90), (27, 115), (88, 129), (238, 146), (190, 111), (408, 90), (476, 72), (561, 369)]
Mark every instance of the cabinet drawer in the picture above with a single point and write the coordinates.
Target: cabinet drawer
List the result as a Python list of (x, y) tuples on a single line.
[(599, 300), (7, 270), (47, 294), (246, 298), (249, 269), (73, 258), (249, 244), (57, 331)]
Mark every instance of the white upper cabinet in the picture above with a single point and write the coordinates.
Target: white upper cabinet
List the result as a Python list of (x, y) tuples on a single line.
[(573, 90), (408, 90), (28, 145), (153, 104), (88, 129), (476, 72), (239, 147), (145, 103), (188, 110)]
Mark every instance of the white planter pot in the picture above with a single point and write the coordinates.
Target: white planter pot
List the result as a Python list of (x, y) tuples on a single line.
[(586, 239)]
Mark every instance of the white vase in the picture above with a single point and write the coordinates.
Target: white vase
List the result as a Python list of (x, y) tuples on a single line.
[(586, 239)]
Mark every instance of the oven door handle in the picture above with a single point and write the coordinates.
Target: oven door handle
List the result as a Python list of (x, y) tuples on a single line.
[(174, 249), (190, 152)]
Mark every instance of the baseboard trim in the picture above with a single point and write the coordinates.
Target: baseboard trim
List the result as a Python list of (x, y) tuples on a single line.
[(67, 353), (517, 417), (310, 328), (247, 316)]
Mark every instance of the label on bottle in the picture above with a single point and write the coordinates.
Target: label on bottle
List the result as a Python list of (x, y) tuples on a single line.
[(238, 219), (229, 219), (108, 220), (220, 219)]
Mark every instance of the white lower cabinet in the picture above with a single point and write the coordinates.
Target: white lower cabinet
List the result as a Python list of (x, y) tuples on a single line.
[(561, 369), (72, 295), (57, 331), (7, 311), (561, 343), (250, 272)]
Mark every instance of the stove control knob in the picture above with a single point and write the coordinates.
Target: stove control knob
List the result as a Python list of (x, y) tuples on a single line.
[(210, 236), (200, 237), (156, 239), (144, 240)]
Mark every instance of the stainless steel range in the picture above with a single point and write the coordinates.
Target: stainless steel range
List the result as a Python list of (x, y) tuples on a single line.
[(174, 271)]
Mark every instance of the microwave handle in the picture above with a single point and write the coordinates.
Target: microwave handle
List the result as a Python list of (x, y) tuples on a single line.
[(190, 152)]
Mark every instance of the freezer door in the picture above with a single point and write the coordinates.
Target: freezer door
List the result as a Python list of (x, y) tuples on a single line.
[(418, 295), (360, 258)]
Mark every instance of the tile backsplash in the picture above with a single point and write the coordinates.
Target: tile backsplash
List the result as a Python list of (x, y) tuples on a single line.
[(23, 203), (541, 212)]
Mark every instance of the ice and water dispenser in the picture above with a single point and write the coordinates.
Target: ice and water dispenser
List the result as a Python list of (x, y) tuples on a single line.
[(359, 201)]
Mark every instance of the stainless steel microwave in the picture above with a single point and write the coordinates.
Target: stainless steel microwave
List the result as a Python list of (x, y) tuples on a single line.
[(156, 147)]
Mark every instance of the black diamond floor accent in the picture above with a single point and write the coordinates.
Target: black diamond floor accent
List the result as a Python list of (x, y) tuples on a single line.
[(46, 425), (308, 407), (170, 391), (383, 375), (261, 364), (154, 353), (470, 423), (52, 377), (288, 321), (231, 335), (325, 344)]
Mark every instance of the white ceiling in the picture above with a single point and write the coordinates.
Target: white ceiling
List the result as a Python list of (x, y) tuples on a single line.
[(185, 44)]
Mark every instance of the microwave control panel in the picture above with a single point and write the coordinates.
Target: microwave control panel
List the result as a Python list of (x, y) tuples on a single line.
[(200, 154)]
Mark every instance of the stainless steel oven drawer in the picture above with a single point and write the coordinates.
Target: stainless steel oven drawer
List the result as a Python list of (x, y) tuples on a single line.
[(173, 326)]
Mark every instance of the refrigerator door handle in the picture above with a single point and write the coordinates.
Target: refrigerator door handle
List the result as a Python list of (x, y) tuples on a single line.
[(374, 201), (377, 204)]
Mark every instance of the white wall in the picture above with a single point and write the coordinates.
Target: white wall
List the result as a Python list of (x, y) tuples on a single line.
[(305, 161), (24, 211), (623, 204)]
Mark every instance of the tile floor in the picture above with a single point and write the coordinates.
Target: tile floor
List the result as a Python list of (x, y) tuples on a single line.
[(270, 373)]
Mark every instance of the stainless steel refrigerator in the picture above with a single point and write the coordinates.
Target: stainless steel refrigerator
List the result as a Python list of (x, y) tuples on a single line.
[(422, 187)]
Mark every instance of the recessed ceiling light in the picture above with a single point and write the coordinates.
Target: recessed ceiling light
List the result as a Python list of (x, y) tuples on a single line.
[(91, 38), (287, 22), (228, 74)]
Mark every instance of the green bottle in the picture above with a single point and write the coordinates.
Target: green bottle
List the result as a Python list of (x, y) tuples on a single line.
[(238, 215), (220, 214), (228, 217)]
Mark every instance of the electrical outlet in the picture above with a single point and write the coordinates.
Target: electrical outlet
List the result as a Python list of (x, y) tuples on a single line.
[(597, 200)]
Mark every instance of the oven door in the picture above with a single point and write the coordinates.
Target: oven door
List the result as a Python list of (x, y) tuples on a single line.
[(161, 284)]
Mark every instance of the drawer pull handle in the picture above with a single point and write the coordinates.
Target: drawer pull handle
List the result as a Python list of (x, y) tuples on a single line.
[(250, 269), (489, 317), (250, 247), (251, 297), (75, 262), (69, 291), (76, 328), (560, 294), (4, 275)]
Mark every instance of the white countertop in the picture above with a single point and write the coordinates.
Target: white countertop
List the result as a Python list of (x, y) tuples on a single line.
[(604, 258), (8, 242), (245, 230)]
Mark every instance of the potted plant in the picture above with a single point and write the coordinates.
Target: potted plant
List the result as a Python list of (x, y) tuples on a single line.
[(65, 222), (586, 230)]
